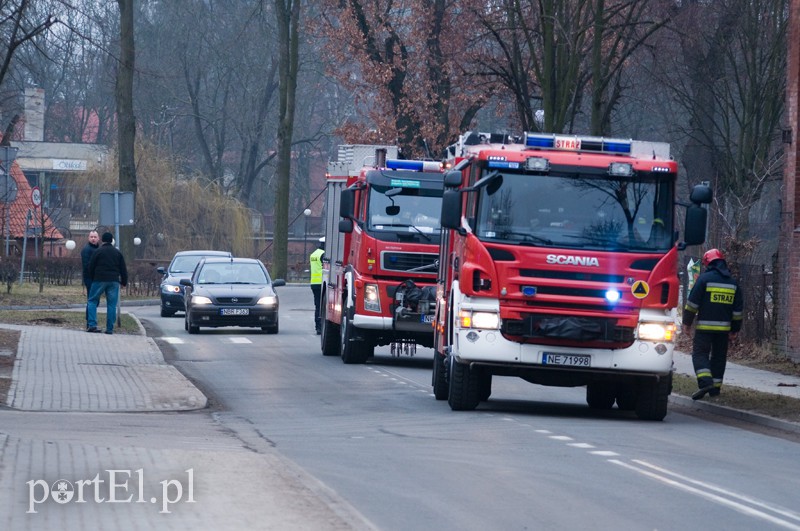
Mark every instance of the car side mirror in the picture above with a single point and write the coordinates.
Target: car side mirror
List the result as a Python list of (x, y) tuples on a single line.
[(161, 270), (278, 282), (186, 282)]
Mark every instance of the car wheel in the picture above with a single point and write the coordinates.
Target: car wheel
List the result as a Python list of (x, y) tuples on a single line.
[(189, 326), (271, 329)]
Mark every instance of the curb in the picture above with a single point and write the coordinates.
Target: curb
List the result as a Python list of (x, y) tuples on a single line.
[(746, 416)]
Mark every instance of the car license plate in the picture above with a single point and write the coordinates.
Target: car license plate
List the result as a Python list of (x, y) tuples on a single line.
[(573, 360), (234, 311), (426, 318)]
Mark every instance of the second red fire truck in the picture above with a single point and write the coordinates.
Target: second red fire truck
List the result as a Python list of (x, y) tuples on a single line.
[(382, 244), (559, 266)]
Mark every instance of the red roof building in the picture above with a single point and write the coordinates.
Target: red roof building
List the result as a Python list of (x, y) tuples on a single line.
[(13, 219)]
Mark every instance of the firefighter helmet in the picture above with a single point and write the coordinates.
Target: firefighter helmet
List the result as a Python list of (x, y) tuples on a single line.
[(711, 255)]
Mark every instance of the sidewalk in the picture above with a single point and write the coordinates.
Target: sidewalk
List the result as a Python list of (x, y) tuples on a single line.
[(60, 372)]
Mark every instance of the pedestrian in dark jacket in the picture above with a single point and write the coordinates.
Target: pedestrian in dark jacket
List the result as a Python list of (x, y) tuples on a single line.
[(716, 303), (86, 256), (108, 272)]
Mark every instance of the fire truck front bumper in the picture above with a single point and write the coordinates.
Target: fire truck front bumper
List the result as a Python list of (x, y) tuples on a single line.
[(490, 347)]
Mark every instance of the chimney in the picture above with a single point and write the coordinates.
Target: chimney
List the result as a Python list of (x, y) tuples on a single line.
[(34, 114)]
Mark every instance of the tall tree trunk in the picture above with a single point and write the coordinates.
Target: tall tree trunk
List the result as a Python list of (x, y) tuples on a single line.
[(288, 15), (125, 118)]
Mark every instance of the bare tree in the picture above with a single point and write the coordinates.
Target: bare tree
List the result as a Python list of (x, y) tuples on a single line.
[(125, 116)]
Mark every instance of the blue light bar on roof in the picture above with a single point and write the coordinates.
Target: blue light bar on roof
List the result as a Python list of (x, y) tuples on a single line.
[(578, 143), (414, 165)]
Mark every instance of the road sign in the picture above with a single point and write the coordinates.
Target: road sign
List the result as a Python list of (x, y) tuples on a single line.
[(36, 196), (116, 208)]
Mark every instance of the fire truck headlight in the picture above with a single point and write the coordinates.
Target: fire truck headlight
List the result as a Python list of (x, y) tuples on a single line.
[(656, 331), (484, 320), (372, 301), (612, 295)]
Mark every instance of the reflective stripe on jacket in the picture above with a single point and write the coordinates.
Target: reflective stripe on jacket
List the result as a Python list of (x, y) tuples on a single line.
[(715, 300)]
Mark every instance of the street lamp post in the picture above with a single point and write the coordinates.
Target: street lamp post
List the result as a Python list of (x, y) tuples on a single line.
[(306, 213)]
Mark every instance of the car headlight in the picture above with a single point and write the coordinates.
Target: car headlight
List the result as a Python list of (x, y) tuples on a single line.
[(168, 288), (485, 320), (372, 301), (270, 300), (656, 331), (199, 299)]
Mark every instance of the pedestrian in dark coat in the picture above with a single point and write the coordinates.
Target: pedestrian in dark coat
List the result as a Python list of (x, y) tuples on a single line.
[(108, 272)]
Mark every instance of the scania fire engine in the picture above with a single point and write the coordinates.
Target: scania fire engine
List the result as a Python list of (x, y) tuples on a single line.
[(559, 266), (383, 253)]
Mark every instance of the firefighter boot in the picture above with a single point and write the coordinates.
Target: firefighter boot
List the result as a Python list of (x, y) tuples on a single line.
[(700, 393)]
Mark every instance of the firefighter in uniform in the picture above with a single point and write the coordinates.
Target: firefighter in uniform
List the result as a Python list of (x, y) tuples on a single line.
[(714, 307), (316, 280)]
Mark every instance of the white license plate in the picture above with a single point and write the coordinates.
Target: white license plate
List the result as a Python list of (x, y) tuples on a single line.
[(572, 360), (234, 311)]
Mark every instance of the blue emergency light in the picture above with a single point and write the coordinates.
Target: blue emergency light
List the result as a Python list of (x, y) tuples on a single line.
[(578, 143), (414, 165)]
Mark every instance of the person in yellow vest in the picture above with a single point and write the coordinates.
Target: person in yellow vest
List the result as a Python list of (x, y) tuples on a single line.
[(316, 281)]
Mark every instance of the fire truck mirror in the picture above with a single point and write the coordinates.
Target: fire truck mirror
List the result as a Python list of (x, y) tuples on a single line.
[(701, 194), (451, 209), (346, 226), (695, 232), (452, 179), (347, 203)]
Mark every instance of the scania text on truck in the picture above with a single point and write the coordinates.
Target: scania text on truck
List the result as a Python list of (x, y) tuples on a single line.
[(559, 263), (382, 254)]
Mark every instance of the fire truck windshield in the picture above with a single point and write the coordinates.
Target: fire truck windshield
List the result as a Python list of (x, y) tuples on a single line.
[(404, 211), (578, 211)]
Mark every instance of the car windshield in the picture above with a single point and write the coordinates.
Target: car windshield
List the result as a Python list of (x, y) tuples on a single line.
[(184, 264), (231, 273), (574, 210)]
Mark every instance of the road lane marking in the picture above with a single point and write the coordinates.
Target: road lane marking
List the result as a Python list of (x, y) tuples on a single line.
[(239, 340), (173, 340), (732, 503)]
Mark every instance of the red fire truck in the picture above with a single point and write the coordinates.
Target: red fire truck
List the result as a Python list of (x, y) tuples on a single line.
[(559, 266), (383, 254)]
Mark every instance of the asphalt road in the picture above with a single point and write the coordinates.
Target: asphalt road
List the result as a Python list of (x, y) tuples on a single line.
[(530, 458)]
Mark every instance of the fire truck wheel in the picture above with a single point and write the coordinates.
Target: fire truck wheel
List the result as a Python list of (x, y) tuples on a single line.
[(626, 397), (600, 395), (439, 377), (463, 390), (329, 338), (484, 385), (352, 347), (652, 398)]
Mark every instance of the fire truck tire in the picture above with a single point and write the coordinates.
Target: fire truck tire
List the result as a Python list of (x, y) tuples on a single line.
[(484, 385), (353, 349), (626, 397), (463, 391), (329, 338), (652, 398), (600, 395), (440, 389)]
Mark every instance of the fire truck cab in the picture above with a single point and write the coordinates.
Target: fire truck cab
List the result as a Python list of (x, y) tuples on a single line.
[(382, 244), (559, 266)]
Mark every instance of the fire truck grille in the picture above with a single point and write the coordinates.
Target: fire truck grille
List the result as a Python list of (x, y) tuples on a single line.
[(570, 275), (568, 328), (422, 263)]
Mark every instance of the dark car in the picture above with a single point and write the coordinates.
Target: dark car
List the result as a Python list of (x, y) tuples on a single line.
[(181, 266), (231, 292)]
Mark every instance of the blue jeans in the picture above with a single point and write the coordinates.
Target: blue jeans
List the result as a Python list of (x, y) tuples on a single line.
[(111, 291)]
